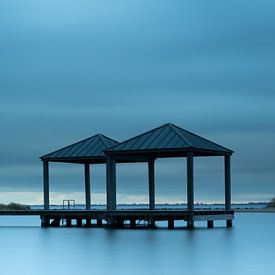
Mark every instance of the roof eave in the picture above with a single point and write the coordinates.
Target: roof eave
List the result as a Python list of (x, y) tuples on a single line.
[(173, 150), (74, 159)]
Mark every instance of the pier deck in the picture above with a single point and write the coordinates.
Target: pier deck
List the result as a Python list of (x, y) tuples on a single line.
[(124, 218)]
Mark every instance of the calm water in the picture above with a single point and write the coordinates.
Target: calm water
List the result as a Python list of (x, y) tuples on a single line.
[(248, 248)]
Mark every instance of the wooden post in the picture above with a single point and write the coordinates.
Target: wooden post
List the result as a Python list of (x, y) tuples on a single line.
[(99, 222), (229, 223), (46, 185), (227, 177), (87, 186), (151, 223), (79, 222), (171, 224), (68, 222), (88, 222), (210, 224), (45, 221), (190, 182), (132, 222), (111, 183), (151, 175), (190, 223)]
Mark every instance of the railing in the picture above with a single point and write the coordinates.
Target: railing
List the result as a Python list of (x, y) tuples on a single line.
[(68, 204)]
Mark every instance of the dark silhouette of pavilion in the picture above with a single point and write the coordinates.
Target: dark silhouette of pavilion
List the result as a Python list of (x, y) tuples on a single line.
[(166, 141)]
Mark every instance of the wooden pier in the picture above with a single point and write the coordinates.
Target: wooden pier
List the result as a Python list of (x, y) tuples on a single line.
[(133, 218), (125, 218)]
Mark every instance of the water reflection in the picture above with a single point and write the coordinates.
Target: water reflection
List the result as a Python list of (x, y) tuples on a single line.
[(247, 248)]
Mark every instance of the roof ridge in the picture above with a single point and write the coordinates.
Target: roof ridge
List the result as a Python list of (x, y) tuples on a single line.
[(175, 130), (142, 134), (102, 140), (103, 136)]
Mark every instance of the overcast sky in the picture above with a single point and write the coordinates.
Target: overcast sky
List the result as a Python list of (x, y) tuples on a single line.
[(71, 69)]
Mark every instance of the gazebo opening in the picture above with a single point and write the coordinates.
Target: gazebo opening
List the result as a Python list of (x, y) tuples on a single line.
[(132, 185), (170, 182), (67, 187), (208, 176)]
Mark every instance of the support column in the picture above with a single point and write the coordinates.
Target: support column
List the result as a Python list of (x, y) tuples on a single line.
[(46, 185), (227, 177), (190, 182), (88, 222), (151, 175), (190, 190), (99, 222), (45, 221), (111, 183), (87, 186), (68, 222), (171, 224), (210, 224), (229, 223), (132, 222), (79, 222)]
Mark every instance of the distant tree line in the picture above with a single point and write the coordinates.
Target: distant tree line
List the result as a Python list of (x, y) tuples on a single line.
[(272, 203), (14, 206)]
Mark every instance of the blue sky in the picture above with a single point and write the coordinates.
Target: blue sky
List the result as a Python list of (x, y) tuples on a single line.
[(71, 69)]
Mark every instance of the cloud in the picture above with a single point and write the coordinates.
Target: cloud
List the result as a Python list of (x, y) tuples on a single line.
[(71, 70)]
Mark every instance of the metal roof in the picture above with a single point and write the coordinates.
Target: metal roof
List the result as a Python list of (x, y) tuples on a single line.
[(92, 147), (167, 137)]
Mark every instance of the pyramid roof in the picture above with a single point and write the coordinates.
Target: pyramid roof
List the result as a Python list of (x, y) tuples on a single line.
[(87, 149), (168, 137)]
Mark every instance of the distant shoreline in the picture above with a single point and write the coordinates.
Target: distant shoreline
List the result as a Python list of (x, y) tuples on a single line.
[(256, 210), (238, 208)]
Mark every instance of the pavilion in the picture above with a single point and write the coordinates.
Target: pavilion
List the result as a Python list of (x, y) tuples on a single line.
[(88, 151), (166, 141)]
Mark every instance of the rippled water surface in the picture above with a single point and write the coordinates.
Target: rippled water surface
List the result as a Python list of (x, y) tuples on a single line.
[(247, 248)]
